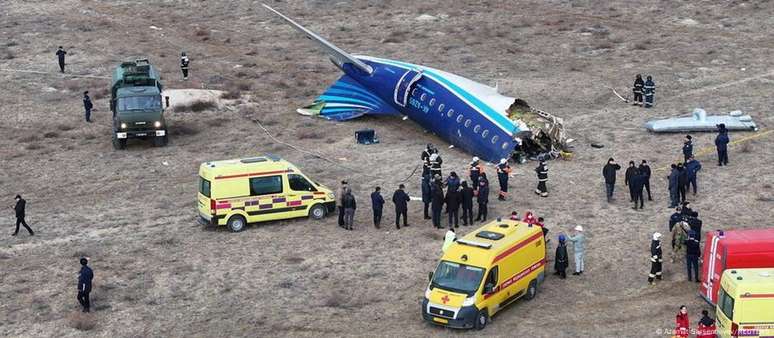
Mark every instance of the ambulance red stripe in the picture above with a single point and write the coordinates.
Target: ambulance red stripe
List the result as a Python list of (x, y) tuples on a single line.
[(515, 278), (760, 295), (516, 247)]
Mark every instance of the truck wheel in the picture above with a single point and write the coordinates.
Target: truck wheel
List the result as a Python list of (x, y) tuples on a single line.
[(119, 144), (236, 223), (531, 290), (160, 141), (317, 211), (481, 319)]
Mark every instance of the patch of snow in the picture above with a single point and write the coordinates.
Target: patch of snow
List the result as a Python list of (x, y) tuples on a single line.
[(426, 17)]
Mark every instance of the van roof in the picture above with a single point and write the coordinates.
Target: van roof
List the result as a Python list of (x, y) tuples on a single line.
[(747, 240), (492, 242), (241, 167), (751, 281)]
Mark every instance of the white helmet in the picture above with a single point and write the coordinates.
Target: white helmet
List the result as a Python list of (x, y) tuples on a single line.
[(475, 159), (503, 161), (578, 228), (656, 236)]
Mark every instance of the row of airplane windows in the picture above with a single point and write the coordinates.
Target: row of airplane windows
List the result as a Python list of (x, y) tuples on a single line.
[(459, 119)]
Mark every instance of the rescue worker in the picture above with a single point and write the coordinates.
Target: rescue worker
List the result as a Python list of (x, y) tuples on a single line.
[(84, 284), (339, 199), (453, 181), (687, 211), (448, 239), (628, 177), (466, 195), (426, 159), (503, 170), (529, 218), (453, 198), (707, 327), (645, 171), (721, 143), (377, 204), (350, 205), (474, 172), (20, 210), (542, 175), (649, 89), (560, 259), (578, 240), (60, 53), (436, 193), (184, 62), (608, 172), (400, 198), (692, 167), (483, 198), (637, 90), (682, 182), (87, 105), (426, 197), (656, 258), (692, 252), (673, 182), (682, 325), (679, 236), (635, 186), (435, 164), (687, 148)]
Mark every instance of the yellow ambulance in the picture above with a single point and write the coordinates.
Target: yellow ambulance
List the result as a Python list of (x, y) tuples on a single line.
[(483, 272), (746, 303), (265, 188)]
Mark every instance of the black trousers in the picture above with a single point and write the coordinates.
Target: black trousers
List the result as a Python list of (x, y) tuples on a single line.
[(87, 115), (638, 97), (20, 221), (637, 197), (681, 192), (61, 66), (722, 156), (398, 213), (377, 217), (185, 73), (427, 210), (437, 217), (542, 186), (692, 263), (454, 215), (647, 187), (467, 215), (481, 212), (83, 298), (341, 215), (655, 271)]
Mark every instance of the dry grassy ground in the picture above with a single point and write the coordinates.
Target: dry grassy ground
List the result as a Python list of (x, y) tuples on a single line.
[(160, 274)]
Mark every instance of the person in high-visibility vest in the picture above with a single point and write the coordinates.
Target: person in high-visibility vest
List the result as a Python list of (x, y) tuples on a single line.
[(656, 259), (503, 170)]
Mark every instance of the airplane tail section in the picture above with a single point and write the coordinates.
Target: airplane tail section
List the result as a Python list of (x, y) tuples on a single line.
[(339, 56), (346, 99)]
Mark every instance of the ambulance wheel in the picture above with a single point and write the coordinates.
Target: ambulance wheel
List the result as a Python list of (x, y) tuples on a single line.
[(159, 141), (481, 319), (236, 223), (119, 144), (531, 290), (317, 211)]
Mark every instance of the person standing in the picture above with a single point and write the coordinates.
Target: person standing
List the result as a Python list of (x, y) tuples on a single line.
[(682, 182), (692, 252), (426, 159), (453, 197), (679, 235), (474, 172), (649, 89), (448, 239), (436, 192), (637, 90), (400, 198), (377, 203), (542, 176), (628, 177), (721, 143), (578, 240), (645, 171), (674, 197), (692, 167), (687, 148), (426, 196), (707, 327), (184, 62), (608, 172), (682, 325), (84, 284), (339, 201), (675, 218), (435, 164), (635, 185), (466, 195), (452, 182), (350, 205), (503, 170), (60, 53), (87, 105), (483, 198), (560, 259), (656, 258), (20, 209)]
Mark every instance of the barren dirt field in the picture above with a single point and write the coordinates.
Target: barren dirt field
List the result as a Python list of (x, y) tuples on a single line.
[(160, 274)]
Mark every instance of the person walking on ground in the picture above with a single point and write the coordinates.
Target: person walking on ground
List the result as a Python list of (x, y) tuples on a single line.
[(350, 205), (608, 172), (474, 172), (466, 195), (682, 182), (636, 184), (377, 204), (84, 284), (184, 62), (656, 259), (426, 196), (339, 199), (679, 235), (637, 90), (692, 252), (707, 327), (483, 198), (60, 53), (503, 170), (578, 240), (560, 259), (436, 193), (426, 159), (435, 164), (674, 196), (721, 143), (692, 167), (400, 198), (449, 239), (542, 176), (687, 148), (628, 177), (682, 325), (87, 106), (453, 199), (649, 89), (20, 209), (644, 169)]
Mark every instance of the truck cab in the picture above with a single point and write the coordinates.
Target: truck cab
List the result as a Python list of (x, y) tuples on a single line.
[(135, 101), (745, 306)]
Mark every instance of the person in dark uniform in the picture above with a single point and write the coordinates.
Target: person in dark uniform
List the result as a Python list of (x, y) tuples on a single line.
[(474, 172), (400, 198), (635, 185), (721, 143), (483, 198), (608, 172), (675, 218), (542, 176), (630, 171), (656, 258), (435, 164), (377, 203), (645, 171), (60, 53), (692, 253), (339, 201), (436, 203), (453, 199), (84, 284), (426, 196), (561, 262), (184, 62), (637, 90), (87, 105), (687, 148), (692, 166), (503, 170), (426, 159), (350, 205), (674, 196), (649, 89), (466, 195), (19, 208), (682, 182)]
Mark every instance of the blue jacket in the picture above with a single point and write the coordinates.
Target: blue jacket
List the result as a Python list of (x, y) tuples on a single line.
[(721, 141), (84, 279), (692, 168), (377, 202), (673, 179), (688, 148), (453, 183)]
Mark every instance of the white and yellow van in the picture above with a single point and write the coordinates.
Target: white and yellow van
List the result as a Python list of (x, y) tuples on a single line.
[(746, 303), (483, 272), (266, 188)]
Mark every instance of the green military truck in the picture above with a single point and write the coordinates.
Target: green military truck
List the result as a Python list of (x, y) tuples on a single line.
[(135, 100)]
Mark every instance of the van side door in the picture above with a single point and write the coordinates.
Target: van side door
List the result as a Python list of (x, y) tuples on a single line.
[(270, 203)]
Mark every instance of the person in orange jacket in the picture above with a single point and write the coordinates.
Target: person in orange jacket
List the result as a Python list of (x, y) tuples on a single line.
[(681, 322), (706, 326)]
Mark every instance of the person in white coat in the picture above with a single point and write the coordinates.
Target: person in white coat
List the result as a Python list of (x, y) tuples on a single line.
[(578, 240)]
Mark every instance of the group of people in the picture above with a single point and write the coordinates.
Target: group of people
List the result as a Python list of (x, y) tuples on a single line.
[(705, 327), (645, 88), (637, 178)]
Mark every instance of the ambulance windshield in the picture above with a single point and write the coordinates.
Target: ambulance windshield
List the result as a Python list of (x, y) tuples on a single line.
[(457, 277)]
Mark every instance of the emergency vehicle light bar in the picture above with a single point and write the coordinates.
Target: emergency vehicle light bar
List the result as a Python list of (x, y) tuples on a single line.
[(474, 243)]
